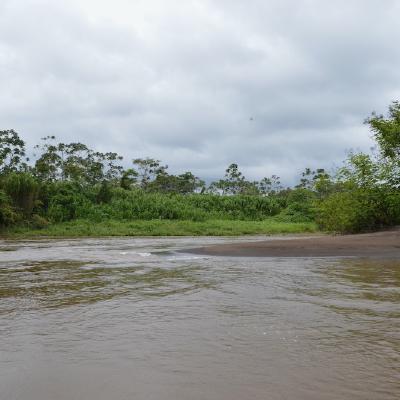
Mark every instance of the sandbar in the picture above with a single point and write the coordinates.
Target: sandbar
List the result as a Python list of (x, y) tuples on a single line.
[(376, 245)]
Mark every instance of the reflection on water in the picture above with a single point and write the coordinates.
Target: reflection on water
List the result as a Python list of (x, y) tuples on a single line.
[(130, 318)]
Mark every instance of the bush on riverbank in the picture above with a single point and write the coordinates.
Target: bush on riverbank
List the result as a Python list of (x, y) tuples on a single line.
[(359, 211)]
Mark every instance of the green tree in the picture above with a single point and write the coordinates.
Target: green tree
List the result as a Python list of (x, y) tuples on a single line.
[(318, 181), (12, 152), (188, 183), (183, 184), (386, 130), (268, 186), (360, 170), (49, 165), (128, 179), (148, 170), (234, 183), (235, 180), (75, 162)]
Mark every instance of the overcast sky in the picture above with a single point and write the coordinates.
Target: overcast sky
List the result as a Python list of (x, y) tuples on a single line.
[(274, 85)]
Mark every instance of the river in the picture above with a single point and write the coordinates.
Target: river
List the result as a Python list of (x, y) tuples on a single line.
[(112, 318)]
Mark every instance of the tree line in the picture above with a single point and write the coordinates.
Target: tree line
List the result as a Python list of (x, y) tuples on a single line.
[(69, 180)]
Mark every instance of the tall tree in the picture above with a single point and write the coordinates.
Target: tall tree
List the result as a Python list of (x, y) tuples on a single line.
[(268, 186), (386, 130), (148, 169), (184, 183), (12, 152), (234, 182), (75, 162), (128, 179)]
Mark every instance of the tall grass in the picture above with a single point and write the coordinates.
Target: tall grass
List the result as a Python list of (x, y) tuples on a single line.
[(134, 205), (23, 191)]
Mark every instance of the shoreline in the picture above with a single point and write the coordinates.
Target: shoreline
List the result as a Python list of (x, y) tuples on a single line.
[(384, 244)]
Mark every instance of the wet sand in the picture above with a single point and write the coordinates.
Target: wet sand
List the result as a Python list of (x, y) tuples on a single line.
[(381, 245)]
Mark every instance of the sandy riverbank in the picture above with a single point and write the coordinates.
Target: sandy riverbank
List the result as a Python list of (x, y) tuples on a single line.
[(381, 244)]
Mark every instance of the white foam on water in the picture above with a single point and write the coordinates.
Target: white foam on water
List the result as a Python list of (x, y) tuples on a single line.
[(188, 258), (140, 254), (144, 254), (88, 267)]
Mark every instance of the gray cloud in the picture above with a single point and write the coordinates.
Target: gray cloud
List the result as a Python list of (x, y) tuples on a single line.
[(273, 85)]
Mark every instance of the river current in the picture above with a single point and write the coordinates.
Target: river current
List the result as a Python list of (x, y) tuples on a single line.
[(112, 318)]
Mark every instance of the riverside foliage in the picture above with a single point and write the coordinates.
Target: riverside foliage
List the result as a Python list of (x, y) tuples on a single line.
[(70, 182)]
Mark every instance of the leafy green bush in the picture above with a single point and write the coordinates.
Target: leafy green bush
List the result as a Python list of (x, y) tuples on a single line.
[(340, 213), (393, 206), (66, 199), (39, 222), (104, 194), (300, 206), (359, 210), (7, 215)]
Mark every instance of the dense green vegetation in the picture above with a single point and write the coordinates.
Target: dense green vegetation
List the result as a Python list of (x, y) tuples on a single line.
[(70, 189)]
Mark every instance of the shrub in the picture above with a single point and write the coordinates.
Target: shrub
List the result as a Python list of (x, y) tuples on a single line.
[(359, 210), (39, 222), (7, 215), (65, 199), (300, 206), (23, 190), (340, 212)]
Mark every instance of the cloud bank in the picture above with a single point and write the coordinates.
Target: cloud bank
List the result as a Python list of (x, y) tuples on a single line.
[(275, 86)]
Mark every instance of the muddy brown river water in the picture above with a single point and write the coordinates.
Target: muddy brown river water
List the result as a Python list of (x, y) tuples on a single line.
[(101, 319)]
